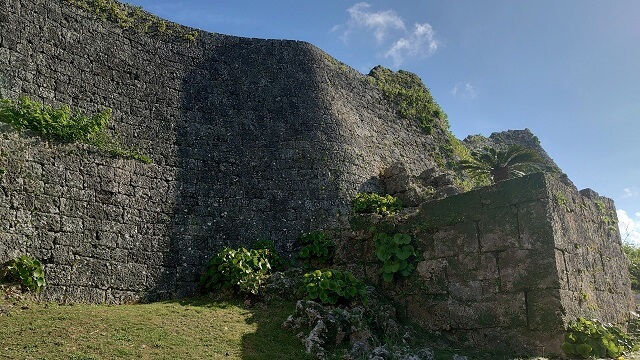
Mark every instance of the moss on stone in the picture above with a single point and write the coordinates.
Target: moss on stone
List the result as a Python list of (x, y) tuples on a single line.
[(133, 17)]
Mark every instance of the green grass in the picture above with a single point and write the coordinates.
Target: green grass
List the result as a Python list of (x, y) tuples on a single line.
[(187, 329)]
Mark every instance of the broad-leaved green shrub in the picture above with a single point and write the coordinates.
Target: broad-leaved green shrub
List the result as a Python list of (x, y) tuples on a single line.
[(331, 286), (242, 270), (633, 262), (27, 271), (591, 338), (376, 204), (277, 262), (396, 254), (316, 249)]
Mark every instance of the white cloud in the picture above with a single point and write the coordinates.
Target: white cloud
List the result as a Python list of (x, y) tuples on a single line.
[(379, 23), (629, 227), (420, 42), (389, 30), (631, 192), (464, 90)]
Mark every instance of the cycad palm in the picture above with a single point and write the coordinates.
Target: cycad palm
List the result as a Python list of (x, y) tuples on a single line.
[(501, 165)]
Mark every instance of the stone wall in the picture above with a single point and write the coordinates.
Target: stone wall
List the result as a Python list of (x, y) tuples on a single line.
[(509, 265), (251, 139)]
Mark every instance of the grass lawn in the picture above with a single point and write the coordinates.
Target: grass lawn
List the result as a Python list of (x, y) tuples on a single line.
[(185, 329)]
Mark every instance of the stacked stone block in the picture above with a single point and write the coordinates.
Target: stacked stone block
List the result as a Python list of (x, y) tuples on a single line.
[(251, 139), (509, 265)]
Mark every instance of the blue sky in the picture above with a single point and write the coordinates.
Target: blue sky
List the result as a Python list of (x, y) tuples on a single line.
[(568, 70)]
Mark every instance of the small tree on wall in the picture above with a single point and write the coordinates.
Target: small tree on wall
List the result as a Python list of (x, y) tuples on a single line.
[(499, 165)]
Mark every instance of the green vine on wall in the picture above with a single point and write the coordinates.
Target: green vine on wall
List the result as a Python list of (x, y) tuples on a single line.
[(65, 125), (133, 17)]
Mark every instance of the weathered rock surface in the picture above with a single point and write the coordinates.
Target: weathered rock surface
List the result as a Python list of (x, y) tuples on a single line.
[(508, 265), (251, 139)]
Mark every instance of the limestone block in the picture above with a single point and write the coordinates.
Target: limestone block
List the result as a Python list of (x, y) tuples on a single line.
[(465, 291), (499, 229), (433, 275), (90, 273), (499, 310), (533, 225), (529, 188), (430, 312), (545, 310), (349, 251), (522, 270), (454, 239), (129, 276), (84, 294)]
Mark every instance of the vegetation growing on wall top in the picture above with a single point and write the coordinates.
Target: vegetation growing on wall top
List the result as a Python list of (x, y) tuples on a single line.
[(413, 99), (495, 165), (65, 125), (416, 103), (133, 17)]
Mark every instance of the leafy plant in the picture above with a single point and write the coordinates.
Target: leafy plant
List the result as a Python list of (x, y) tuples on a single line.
[(331, 286), (591, 338), (376, 204), (499, 165), (316, 249), (27, 271), (396, 254), (65, 125), (242, 270), (633, 262), (277, 262)]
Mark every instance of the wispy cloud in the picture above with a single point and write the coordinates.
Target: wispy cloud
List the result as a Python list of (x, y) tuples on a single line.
[(379, 22), (420, 42), (389, 31), (464, 90), (629, 227), (631, 192)]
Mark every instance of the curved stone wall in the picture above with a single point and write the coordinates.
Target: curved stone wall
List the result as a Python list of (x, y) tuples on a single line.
[(251, 139)]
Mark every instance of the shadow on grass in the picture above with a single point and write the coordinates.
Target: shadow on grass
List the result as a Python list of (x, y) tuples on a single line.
[(269, 340)]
